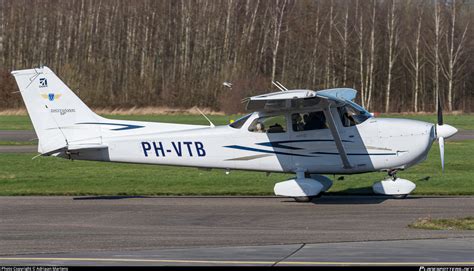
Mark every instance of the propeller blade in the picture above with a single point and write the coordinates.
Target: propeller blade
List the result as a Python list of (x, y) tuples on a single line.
[(440, 111), (441, 151)]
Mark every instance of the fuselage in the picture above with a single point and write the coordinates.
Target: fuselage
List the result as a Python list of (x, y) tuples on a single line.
[(372, 145)]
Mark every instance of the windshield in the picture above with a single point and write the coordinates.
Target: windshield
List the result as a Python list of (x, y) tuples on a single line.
[(352, 114), (240, 122), (359, 108)]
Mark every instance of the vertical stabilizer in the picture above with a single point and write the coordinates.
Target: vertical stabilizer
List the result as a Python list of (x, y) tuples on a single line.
[(55, 110)]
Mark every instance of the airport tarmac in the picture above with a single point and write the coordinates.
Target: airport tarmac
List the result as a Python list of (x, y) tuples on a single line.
[(17, 135), (332, 230)]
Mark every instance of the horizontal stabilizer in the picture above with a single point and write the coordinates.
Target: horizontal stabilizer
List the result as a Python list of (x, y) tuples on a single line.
[(86, 147), (76, 148)]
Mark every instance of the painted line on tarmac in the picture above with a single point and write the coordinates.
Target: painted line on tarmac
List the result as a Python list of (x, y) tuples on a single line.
[(234, 262)]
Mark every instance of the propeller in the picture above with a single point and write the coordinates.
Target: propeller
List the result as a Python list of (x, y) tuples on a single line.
[(440, 138), (441, 151), (440, 111), (442, 131)]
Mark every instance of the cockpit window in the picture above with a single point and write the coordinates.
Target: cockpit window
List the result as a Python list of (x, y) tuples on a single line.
[(269, 124), (308, 121), (240, 122), (352, 114)]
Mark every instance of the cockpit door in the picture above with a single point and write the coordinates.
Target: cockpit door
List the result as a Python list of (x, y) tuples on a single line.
[(311, 140)]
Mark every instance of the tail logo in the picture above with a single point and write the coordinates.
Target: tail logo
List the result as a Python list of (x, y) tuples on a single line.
[(51, 96), (43, 83)]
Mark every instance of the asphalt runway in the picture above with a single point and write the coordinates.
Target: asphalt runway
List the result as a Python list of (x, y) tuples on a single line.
[(19, 149), (332, 230), (17, 135)]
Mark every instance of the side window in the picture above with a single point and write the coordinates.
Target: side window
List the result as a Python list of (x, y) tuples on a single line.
[(270, 124), (308, 121)]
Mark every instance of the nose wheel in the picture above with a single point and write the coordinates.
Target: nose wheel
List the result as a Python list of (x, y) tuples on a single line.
[(393, 175), (393, 186)]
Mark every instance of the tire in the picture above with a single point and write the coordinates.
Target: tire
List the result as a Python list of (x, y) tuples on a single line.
[(400, 196), (304, 199)]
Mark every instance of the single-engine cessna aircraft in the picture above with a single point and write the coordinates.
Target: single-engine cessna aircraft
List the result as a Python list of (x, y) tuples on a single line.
[(305, 132)]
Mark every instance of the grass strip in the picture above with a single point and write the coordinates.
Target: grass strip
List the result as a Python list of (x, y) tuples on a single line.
[(20, 175), (428, 223)]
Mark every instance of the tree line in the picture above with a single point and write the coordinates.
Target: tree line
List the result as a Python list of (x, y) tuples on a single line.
[(398, 54)]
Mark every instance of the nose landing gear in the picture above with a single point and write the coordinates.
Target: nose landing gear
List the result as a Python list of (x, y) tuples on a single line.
[(394, 186)]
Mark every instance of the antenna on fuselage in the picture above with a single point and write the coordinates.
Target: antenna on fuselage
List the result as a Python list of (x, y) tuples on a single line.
[(210, 122), (279, 85)]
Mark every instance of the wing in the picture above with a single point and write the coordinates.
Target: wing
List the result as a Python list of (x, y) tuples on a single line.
[(348, 94), (299, 98)]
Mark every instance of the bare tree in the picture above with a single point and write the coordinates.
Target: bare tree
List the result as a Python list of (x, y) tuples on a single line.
[(329, 69), (318, 30), (436, 51), (178, 52), (454, 54), (360, 49), (344, 37), (393, 38), (416, 59), (277, 25), (2, 31)]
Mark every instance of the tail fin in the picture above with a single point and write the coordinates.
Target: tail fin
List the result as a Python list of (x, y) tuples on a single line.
[(55, 110)]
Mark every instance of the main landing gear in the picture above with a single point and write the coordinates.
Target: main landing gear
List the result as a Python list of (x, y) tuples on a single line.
[(303, 188), (393, 186)]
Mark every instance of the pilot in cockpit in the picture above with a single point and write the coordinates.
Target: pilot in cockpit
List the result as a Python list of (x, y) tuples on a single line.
[(297, 121)]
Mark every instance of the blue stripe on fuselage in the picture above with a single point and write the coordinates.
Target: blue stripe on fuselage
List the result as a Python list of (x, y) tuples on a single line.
[(336, 153), (303, 155), (265, 151), (278, 144), (125, 126)]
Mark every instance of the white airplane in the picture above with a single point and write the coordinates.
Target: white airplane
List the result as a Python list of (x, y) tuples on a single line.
[(306, 132)]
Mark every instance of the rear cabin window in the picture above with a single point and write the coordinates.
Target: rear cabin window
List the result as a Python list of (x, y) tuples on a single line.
[(308, 121), (269, 125)]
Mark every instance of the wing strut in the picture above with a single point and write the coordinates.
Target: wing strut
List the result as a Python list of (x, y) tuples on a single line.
[(337, 137)]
